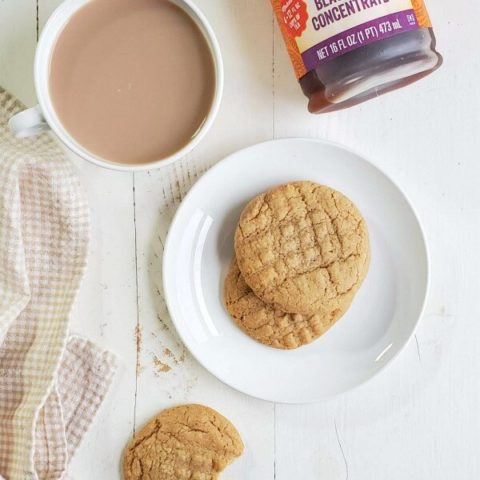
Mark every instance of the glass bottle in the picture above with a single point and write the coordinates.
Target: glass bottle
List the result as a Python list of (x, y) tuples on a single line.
[(348, 51)]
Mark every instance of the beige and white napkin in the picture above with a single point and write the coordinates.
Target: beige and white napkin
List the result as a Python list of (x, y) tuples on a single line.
[(51, 384)]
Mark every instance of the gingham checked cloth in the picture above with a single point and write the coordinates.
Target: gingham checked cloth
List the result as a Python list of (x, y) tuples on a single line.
[(51, 384)]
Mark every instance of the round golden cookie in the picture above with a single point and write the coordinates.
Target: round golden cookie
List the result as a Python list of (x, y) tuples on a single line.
[(302, 247), (273, 327), (182, 443)]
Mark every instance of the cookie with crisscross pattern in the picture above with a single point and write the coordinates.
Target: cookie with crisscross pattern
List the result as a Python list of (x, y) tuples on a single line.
[(302, 247)]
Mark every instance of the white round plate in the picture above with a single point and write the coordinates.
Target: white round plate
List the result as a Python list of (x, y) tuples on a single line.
[(384, 313)]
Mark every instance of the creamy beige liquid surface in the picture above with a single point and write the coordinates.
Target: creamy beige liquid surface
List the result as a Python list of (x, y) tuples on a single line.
[(132, 80)]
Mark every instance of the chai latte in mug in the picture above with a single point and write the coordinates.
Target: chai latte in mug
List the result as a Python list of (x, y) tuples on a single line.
[(132, 81)]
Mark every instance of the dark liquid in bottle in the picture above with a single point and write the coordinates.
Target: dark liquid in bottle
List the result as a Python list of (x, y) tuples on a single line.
[(371, 70)]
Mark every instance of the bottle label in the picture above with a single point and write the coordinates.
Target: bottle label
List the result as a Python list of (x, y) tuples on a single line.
[(317, 31)]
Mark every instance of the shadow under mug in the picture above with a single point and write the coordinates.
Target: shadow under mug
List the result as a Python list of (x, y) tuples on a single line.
[(43, 117)]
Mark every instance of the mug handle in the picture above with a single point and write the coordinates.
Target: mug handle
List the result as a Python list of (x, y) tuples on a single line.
[(28, 123)]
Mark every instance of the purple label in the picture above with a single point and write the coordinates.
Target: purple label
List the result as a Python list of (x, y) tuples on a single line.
[(357, 37)]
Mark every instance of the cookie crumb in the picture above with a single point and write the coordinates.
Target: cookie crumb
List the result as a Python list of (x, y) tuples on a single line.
[(160, 366)]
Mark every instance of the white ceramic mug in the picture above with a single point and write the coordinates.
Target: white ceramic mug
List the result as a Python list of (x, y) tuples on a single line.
[(43, 116)]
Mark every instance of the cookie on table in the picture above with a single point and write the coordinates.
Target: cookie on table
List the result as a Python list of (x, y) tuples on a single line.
[(302, 247), (272, 327), (181, 443)]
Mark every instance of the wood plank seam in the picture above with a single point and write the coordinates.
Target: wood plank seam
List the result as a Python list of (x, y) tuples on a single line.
[(138, 327)]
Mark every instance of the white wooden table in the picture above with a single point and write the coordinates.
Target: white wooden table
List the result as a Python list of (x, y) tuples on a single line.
[(419, 420)]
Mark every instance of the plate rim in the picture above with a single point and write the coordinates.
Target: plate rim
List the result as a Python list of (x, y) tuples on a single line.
[(210, 172)]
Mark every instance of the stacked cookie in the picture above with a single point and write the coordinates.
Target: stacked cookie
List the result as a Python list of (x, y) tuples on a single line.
[(301, 254)]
